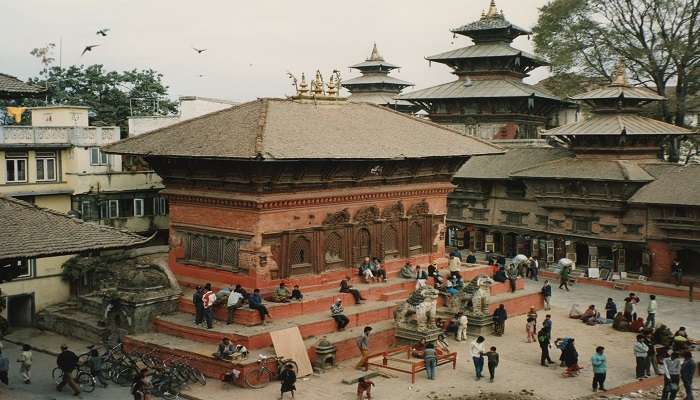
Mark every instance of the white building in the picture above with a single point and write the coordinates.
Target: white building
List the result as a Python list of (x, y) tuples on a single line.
[(190, 107)]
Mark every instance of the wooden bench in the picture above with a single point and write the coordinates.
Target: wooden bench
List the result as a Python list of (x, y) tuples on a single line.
[(413, 365)]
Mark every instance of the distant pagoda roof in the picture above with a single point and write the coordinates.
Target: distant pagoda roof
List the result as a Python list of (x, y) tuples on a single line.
[(479, 89), (375, 61), (496, 49), (11, 87), (492, 26), (371, 79)]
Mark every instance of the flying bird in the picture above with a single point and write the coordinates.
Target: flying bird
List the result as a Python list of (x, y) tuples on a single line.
[(102, 32), (199, 51), (88, 48)]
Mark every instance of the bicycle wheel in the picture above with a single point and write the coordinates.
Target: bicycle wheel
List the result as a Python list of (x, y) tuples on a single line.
[(198, 375), (258, 378), (86, 382), (151, 361), (125, 376), (57, 375)]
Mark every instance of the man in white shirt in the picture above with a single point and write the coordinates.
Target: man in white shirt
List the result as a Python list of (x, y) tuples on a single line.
[(651, 312), (235, 301), (476, 349), (462, 322), (208, 298)]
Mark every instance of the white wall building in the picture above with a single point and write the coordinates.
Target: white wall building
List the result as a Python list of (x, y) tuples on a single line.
[(190, 107)]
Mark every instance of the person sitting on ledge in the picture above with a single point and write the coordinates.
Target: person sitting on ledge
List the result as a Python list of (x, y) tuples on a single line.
[(226, 349), (500, 275), (243, 292), (296, 294), (407, 271), (433, 270), (421, 277), (338, 314), (471, 259), (255, 302), (365, 270), (637, 325), (346, 287), (620, 323), (591, 316), (454, 265), (281, 294), (378, 270)]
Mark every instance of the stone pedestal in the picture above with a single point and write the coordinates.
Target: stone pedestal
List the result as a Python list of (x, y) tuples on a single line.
[(479, 325), (414, 335)]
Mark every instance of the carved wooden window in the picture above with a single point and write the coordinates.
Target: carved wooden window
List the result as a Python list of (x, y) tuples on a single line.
[(582, 225), (334, 248), (213, 250), (300, 256), (415, 238), (364, 243), (390, 242)]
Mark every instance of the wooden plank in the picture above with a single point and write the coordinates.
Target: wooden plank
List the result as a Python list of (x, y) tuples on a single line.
[(288, 343)]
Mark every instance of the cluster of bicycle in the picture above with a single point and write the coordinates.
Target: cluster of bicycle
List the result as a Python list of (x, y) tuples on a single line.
[(168, 375)]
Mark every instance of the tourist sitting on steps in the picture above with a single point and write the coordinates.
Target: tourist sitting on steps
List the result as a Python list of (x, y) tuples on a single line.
[(256, 303), (454, 265), (406, 271), (365, 270), (296, 294), (500, 275), (281, 294), (378, 270), (243, 292), (233, 303), (346, 287), (226, 349), (421, 277), (338, 314)]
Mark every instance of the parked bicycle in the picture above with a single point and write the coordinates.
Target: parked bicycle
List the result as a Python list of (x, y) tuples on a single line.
[(262, 375)]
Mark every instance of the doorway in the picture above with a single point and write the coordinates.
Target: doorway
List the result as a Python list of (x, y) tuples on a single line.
[(690, 262), (582, 254), (20, 310)]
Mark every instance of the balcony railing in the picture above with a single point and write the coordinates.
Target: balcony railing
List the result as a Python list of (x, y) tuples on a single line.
[(75, 136)]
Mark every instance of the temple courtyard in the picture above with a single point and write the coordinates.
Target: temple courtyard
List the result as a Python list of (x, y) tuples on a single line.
[(519, 371)]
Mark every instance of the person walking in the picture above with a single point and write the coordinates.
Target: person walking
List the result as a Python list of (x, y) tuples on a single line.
[(651, 353), (547, 324), (198, 305), (564, 278), (600, 369), (255, 302), (363, 345), (430, 360), (208, 300), (67, 361), (499, 320), (530, 330), (677, 272), (651, 312), (672, 377), (687, 372), (492, 362), (640, 354), (476, 349), (234, 302), (544, 340), (4, 368), (547, 294), (25, 363), (289, 379), (338, 314), (96, 367)]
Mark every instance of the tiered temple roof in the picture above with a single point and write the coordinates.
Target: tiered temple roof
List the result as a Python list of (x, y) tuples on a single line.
[(375, 86)]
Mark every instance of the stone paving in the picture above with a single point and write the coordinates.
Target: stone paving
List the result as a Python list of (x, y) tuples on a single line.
[(519, 369)]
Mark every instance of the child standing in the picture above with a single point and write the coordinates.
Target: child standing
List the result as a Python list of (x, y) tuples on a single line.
[(492, 362), (364, 386), (530, 329), (25, 360), (289, 379)]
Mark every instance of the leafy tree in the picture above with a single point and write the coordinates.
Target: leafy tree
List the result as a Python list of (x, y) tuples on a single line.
[(658, 39), (112, 96)]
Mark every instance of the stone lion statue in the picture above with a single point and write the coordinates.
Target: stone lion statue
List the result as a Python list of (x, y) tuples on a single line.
[(419, 311), (474, 298)]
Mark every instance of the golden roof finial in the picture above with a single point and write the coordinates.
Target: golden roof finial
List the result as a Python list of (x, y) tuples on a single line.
[(483, 14), (331, 86), (303, 86), (375, 54), (619, 77), (493, 11), (317, 84)]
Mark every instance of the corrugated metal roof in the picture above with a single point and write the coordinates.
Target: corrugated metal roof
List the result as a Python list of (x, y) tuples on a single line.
[(486, 50), (478, 89), (375, 79), (587, 168), (379, 98), (277, 129), (614, 124), (613, 92)]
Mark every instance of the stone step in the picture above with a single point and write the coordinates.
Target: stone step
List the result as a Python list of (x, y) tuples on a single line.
[(91, 304), (255, 337), (313, 302), (72, 322), (395, 295), (200, 356)]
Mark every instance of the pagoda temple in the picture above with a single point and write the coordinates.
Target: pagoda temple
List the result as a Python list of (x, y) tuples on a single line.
[(489, 98), (375, 86), (605, 199)]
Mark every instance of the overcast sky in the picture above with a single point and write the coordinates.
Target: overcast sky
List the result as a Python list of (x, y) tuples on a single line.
[(251, 44)]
